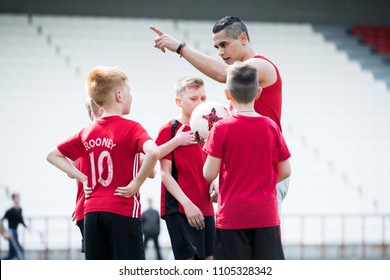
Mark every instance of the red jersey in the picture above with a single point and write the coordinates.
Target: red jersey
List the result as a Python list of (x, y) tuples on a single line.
[(82, 165), (270, 102), (189, 161), (110, 145), (250, 149)]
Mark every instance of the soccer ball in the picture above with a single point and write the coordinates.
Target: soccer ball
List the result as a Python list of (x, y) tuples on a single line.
[(205, 115)]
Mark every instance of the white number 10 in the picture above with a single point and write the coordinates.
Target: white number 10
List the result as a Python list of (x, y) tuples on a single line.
[(102, 156)]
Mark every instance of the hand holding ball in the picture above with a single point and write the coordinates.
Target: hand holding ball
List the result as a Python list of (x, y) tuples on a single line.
[(205, 115)]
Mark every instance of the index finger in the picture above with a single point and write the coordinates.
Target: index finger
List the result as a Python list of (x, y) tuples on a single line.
[(155, 29)]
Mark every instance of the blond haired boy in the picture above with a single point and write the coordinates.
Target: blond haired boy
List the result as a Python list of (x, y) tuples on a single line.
[(186, 206), (112, 224)]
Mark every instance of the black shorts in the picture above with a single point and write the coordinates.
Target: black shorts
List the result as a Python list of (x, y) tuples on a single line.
[(248, 244), (188, 242), (109, 236), (80, 224)]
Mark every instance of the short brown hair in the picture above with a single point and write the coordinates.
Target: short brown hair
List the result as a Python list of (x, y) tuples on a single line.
[(188, 82), (102, 81), (242, 82)]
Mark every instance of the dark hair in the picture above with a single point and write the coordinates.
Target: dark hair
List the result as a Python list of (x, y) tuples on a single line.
[(232, 25), (243, 82)]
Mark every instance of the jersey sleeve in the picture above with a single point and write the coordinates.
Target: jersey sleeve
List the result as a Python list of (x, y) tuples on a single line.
[(72, 148), (140, 136), (164, 135)]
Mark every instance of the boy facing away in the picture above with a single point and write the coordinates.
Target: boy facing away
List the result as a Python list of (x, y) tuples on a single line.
[(94, 112), (249, 164), (112, 224), (186, 206)]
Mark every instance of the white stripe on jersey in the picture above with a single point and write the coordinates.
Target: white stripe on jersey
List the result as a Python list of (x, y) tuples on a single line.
[(136, 203)]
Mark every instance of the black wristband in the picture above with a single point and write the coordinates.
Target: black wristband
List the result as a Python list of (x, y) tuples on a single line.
[(182, 44)]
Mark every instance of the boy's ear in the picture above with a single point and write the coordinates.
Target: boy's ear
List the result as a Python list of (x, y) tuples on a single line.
[(100, 112), (118, 96), (258, 93), (227, 94), (178, 101)]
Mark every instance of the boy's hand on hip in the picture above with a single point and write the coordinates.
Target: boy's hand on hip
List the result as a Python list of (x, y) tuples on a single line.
[(127, 191)]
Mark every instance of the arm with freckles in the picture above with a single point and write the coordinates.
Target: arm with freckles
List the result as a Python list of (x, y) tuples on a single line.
[(56, 158), (151, 157), (141, 160)]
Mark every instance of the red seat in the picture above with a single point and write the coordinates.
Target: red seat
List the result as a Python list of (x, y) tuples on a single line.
[(374, 36)]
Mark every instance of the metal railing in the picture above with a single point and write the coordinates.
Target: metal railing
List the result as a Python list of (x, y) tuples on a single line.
[(304, 236), (337, 236)]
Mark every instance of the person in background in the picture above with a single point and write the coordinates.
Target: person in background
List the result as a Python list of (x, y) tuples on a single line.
[(15, 217), (151, 227)]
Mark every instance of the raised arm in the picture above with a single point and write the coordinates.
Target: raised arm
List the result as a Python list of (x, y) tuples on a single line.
[(208, 65)]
